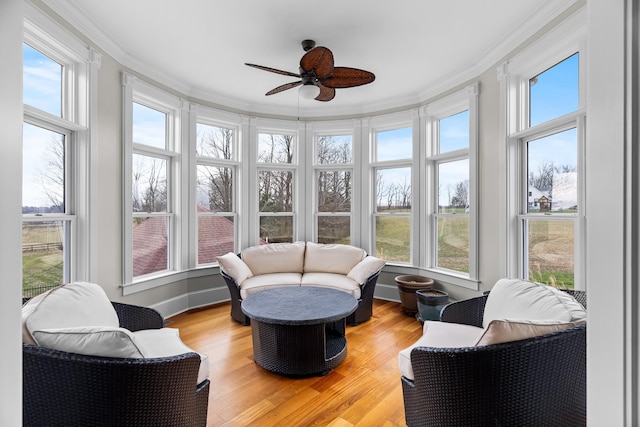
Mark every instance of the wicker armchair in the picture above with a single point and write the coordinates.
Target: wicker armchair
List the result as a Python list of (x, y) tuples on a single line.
[(67, 389), (534, 382)]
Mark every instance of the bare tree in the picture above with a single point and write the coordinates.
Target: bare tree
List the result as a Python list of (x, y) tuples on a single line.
[(460, 198), (52, 177)]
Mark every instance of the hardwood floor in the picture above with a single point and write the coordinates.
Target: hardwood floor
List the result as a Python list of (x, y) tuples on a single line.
[(363, 391)]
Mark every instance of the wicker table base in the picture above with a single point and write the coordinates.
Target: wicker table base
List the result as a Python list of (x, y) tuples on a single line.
[(299, 331)]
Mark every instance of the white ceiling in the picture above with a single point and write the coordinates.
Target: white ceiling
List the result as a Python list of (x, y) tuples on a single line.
[(416, 48)]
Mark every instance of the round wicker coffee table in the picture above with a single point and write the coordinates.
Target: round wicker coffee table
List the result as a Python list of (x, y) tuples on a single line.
[(299, 331)]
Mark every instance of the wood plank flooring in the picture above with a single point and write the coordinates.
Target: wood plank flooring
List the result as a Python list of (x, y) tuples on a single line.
[(363, 391)]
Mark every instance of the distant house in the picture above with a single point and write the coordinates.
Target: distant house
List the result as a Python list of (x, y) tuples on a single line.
[(215, 238), (538, 199)]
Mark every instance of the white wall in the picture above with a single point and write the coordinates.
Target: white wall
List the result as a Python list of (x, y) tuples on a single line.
[(10, 212), (612, 251)]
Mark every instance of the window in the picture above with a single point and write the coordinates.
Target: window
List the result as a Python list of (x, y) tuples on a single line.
[(276, 191), (55, 152), (392, 194), (152, 146), (545, 146), (216, 159), (451, 189), (333, 188)]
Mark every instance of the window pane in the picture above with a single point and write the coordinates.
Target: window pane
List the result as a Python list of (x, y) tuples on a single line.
[(334, 191), (276, 229), (149, 126), (393, 238), (42, 256), (149, 181), (453, 186), (552, 173), (150, 249), (393, 190), (453, 243), (275, 148), (394, 144), (334, 229), (43, 173), (214, 191), (42, 81), (454, 132), (550, 249), (275, 191), (333, 149), (213, 141), (554, 92), (215, 237)]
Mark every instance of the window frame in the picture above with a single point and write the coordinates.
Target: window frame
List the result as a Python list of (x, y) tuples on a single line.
[(277, 128), (331, 167), (463, 100), (385, 124), (216, 119), (138, 91), (78, 122), (557, 45)]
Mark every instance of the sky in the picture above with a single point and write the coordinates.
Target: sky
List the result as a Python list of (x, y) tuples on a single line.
[(553, 94)]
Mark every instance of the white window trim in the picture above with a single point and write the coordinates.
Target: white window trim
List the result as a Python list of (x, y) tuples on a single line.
[(136, 90), (466, 99), (561, 42), (315, 131), (406, 119), (81, 68), (222, 119), (276, 127)]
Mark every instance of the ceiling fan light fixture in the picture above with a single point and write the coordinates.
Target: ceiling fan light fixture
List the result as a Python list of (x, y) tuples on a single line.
[(309, 91)]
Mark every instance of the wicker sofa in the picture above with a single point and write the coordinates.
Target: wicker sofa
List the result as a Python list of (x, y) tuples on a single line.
[(538, 380), (343, 267), (63, 388)]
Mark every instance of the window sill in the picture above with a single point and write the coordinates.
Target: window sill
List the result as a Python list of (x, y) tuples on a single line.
[(166, 278)]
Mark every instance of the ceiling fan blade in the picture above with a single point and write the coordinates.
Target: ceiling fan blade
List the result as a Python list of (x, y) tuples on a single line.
[(284, 87), (326, 93), (343, 77), (273, 70), (318, 60)]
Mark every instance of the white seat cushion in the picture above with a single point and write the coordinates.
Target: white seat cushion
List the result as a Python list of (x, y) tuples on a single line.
[(440, 335), (166, 342), (268, 281), (275, 258), (333, 281), (78, 304), (520, 299), (331, 258)]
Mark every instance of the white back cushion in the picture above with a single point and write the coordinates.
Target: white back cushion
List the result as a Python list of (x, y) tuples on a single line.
[(365, 268), (521, 299), (500, 331), (102, 341), (232, 265), (77, 304), (331, 258), (274, 258)]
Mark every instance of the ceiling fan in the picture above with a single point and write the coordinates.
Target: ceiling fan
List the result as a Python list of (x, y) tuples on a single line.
[(317, 69)]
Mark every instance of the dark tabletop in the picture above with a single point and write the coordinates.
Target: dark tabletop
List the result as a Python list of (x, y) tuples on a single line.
[(299, 305)]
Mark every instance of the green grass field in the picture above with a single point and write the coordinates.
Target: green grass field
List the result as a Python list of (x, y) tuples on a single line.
[(42, 265), (550, 247)]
